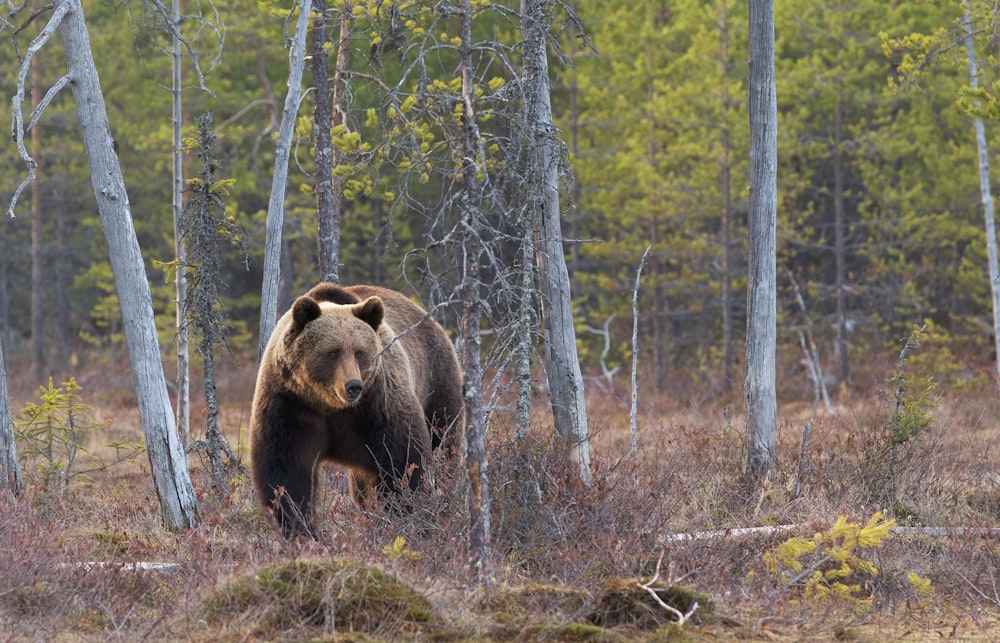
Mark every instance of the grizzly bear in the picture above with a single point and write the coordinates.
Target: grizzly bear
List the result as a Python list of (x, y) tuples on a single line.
[(359, 376)]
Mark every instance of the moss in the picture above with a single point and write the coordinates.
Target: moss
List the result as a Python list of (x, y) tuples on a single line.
[(624, 603), (570, 632), (534, 598), (338, 595)]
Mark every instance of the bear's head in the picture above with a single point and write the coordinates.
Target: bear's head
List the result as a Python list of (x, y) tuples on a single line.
[(331, 352)]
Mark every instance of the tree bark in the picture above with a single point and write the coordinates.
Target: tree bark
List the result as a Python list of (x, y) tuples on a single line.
[(327, 210), (985, 195), (10, 470), (839, 243), (481, 553), (180, 283), (37, 312), (725, 224), (762, 288), (166, 456), (276, 204), (562, 364)]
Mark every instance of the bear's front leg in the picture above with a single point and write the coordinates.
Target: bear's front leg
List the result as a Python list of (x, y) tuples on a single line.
[(400, 464), (284, 467), (291, 500)]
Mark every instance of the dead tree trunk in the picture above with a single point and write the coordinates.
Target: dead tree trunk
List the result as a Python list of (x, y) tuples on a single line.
[(327, 210), (562, 364), (166, 455), (10, 470), (762, 287), (180, 283), (276, 204)]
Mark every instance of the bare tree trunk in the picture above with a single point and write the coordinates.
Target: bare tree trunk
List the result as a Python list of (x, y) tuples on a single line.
[(10, 470), (725, 190), (562, 364), (526, 326), (327, 211), (481, 552), (63, 278), (762, 288), (166, 455), (985, 194), (37, 312), (183, 352), (276, 204), (574, 147), (839, 243)]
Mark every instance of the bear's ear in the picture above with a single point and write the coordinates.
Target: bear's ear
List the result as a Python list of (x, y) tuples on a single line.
[(332, 293), (371, 311), (304, 310)]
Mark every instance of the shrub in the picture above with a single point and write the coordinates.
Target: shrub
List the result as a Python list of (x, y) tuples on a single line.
[(50, 435)]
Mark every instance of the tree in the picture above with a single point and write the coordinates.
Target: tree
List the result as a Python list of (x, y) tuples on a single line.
[(180, 278), (543, 164), (10, 470), (660, 134), (276, 204), (762, 289), (166, 455), (985, 195), (327, 205), (472, 229), (206, 227)]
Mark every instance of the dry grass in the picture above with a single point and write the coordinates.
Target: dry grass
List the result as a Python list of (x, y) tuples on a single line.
[(568, 558)]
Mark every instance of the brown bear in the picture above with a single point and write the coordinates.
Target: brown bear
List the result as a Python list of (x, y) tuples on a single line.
[(359, 376)]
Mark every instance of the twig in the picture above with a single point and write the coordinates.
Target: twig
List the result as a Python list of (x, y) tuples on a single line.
[(812, 355), (607, 374), (802, 459), (633, 413), (682, 617), (17, 126)]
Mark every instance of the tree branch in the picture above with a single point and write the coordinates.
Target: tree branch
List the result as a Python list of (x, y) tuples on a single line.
[(17, 126)]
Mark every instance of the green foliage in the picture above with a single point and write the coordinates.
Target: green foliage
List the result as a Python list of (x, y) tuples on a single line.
[(893, 443), (832, 564), (655, 123), (51, 433), (398, 551)]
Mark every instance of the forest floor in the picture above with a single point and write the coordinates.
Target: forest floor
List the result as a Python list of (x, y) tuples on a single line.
[(569, 561)]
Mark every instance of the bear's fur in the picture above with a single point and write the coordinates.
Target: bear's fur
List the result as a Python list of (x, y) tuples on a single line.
[(359, 376)]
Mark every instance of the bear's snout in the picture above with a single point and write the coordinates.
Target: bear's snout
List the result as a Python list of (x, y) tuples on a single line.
[(353, 390)]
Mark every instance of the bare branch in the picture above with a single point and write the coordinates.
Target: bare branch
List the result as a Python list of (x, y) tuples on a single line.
[(174, 28), (635, 359), (17, 126), (682, 617), (46, 99)]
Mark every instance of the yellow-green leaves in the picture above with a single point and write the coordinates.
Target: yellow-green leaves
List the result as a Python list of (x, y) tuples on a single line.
[(832, 563)]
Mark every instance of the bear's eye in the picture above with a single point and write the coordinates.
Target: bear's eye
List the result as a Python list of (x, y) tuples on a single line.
[(359, 355), (334, 354)]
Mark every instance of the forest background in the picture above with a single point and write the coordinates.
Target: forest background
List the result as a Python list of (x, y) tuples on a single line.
[(880, 230), (877, 184)]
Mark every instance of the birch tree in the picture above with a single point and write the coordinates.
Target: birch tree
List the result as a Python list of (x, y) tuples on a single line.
[(276, 204), (984, 191), (542, 172), (171, 477), (762, 287)]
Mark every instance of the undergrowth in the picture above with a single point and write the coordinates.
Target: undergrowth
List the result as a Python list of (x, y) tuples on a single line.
[(571, 561)]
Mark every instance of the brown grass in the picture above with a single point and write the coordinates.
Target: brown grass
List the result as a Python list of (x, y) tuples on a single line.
[(568, 559)]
